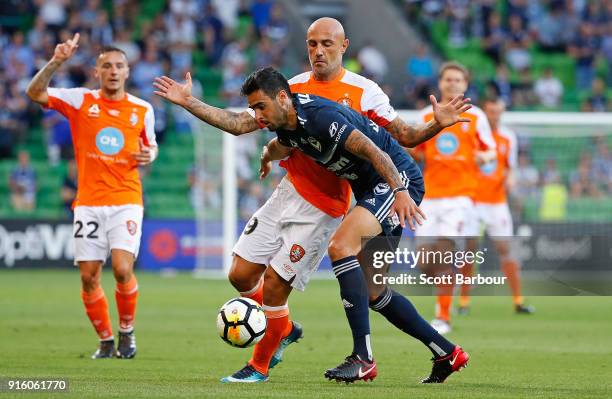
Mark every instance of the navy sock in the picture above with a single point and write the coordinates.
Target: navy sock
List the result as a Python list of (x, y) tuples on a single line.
[(354, 294), (402, 314)]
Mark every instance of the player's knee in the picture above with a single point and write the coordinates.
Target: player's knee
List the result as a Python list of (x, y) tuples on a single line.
[(338, 250), (243, 278), (123, 272), (90, 281)]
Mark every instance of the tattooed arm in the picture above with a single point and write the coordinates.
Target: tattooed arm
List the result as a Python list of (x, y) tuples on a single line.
[(360, 145), (405, 208), (37, 89), (444, 116), (180, 94)]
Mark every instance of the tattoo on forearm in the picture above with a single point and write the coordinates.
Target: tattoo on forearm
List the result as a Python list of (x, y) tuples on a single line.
[(411, 136), (40, 81), (231, 122), (359, 144)]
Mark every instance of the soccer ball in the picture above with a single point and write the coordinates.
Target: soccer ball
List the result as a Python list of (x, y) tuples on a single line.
[(241, 322)]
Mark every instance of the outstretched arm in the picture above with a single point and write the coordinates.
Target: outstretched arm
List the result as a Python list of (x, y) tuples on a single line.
[(37, 89), (444, 116), (180, 94), (360, 145)]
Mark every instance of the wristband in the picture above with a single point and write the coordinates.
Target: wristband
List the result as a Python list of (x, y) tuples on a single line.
[(398, 189)]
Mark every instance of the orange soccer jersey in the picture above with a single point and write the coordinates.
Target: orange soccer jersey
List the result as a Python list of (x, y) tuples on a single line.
[(317, 185), (105, 133), (492, 176), (450, 166)]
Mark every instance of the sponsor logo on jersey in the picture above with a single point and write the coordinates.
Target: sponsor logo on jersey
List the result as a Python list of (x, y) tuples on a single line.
[(339, 165), (110, 140), (342, 129), (296, 253), (371, 201), (293, 143), (288, 269), (251, 226), (447, 143), (132, 227), (465, 126), (333, 129), (94, 110), (113, 112), (381, 188)]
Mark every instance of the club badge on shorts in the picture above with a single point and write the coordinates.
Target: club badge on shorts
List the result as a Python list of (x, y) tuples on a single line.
[(296, 253), (132, 227)]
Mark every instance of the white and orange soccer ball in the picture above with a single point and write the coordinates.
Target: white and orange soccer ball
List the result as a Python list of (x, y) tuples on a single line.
[(241, 322)]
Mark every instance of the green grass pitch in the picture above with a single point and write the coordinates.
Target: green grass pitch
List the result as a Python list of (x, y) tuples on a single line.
[(563, 351)]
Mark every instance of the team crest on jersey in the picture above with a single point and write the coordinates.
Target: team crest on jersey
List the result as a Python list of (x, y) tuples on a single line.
[(313, 142), (489, 168), (345, 100), (94, 110), (134, 118), (381, 188), (132, 227), (296, 253)]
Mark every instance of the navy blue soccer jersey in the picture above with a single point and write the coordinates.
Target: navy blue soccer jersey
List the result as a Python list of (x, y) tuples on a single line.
[(324, 126)]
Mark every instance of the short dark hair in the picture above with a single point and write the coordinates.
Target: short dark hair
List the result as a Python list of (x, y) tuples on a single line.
[(490, 99), (268, 80), (111, 49), (457, 67)]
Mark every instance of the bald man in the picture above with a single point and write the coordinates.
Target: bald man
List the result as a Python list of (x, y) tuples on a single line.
[(291, 232)]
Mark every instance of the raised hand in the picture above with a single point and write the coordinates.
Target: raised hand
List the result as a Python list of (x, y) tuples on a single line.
[(450, 113), (173, 91), (64, 51)]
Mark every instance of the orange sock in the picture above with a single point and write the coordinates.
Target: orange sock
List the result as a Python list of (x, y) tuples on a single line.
[(256, 293), (126, 296), (278, 328), (96, 308), (512, 271), (443, 306), (464, 299)]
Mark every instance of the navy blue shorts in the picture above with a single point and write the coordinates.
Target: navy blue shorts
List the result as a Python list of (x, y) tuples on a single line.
[(380, 198)]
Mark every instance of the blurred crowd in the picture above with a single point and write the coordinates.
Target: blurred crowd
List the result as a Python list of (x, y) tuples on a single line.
[(229, 38), (551, 187), (510, 33)]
